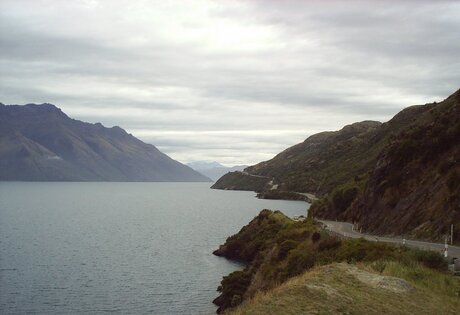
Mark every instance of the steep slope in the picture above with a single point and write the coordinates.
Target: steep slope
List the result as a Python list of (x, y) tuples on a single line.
[(40, 142), (319, 163), (414, 186), (323, 160)]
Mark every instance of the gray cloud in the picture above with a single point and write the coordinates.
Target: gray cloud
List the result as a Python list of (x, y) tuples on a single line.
[(235, 82)]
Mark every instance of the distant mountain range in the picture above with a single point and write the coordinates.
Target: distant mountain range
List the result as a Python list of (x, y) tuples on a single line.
[(214, 170), (400, 177), (41, 143)]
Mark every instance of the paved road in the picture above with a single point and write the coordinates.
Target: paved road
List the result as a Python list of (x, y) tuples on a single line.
[(346, 229), (309, 196), (252, 175)]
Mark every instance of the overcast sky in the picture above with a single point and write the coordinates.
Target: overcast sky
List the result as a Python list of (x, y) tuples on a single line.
[(235, 82)]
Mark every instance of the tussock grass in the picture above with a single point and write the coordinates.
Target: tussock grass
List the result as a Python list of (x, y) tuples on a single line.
[(336, 289), (424, 279)]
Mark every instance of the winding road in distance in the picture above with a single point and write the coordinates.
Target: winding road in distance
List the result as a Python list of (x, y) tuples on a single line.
[(346, 229)]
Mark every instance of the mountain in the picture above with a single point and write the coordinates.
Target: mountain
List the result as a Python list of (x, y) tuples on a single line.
[(214, 170), (316, 165), (41, 143), (413, 187), (400, 177), (204, 165)]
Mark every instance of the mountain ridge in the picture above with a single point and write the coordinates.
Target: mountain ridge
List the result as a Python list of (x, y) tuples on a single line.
[(40, 142), (304, 167)]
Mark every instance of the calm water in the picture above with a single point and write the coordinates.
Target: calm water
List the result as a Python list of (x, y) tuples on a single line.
[(126, 248)]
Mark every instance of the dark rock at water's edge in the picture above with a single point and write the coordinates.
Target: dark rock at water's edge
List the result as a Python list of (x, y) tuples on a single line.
[(41, 143), (284, 195), (242, 181)]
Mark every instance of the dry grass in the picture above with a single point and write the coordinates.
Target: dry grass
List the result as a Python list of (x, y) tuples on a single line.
[(341, 288)]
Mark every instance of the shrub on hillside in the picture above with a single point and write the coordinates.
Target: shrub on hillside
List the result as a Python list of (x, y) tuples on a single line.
[(362, 250), (235, 284), (299, 261), (430, 259), (343, 196), (329, 243), (453, 182), (286, 247), (315, 237)]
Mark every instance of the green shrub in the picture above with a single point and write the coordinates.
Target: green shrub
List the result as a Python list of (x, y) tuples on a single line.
[(235, 284), (299, 261), (297, 231), (315, 237), (343, 196), (351, 250), (362, 250), (286, 247), (453, 182), (430, 259), (329, 243)]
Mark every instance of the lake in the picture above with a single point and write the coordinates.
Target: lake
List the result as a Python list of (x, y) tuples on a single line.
[(124, 248)]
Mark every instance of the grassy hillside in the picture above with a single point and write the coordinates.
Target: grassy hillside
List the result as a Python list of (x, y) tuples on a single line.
[(371, 288), (323, 160), (318, 164), (276, 248)]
